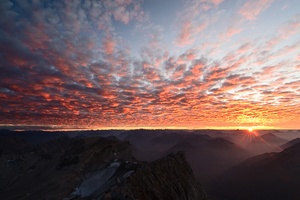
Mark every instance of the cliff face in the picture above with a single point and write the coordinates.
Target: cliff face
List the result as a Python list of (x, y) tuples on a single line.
[(92, 168)]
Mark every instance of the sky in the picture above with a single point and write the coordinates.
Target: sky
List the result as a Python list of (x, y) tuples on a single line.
[(150, 63)]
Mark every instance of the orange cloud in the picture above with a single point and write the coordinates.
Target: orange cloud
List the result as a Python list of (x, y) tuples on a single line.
[(87, 77)]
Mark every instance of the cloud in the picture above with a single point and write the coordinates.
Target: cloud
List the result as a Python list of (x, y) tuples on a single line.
[(269, 70), (252, 9), (214, 2), (188, 32), (69, 65), (230, 31), (285, 31), (109, 44), (122, 15), (185, 36), (190, 24)]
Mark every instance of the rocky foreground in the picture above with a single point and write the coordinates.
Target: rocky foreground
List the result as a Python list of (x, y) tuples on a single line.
[(91, 168)]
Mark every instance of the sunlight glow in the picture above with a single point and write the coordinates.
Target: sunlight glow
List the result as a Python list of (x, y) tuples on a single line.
[(250, 129)]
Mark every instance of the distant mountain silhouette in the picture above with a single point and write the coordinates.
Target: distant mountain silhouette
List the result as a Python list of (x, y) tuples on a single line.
[(207, 156), (215, 156), (32, 137), (269, 138), (290, 143), (273, 176), (265, 143)]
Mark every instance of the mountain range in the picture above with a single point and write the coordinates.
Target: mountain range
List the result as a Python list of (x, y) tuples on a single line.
[(91, 168), (149, 164)]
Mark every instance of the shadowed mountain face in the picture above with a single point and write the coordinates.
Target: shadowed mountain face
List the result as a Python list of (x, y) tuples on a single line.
[(267, 176), (89, 168)]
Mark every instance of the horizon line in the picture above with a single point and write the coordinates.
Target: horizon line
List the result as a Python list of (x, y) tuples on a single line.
[(66, 128)]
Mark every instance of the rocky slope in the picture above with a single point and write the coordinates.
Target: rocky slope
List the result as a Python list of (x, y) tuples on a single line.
[(91, 168)]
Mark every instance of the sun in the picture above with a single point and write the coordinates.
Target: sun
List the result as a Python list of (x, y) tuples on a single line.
[(250, 129)]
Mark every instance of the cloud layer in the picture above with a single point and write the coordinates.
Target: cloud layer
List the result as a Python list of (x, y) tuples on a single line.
[(78, 64)]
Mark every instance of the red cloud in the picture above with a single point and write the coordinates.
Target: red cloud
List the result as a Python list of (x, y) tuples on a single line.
[(109, 44)]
